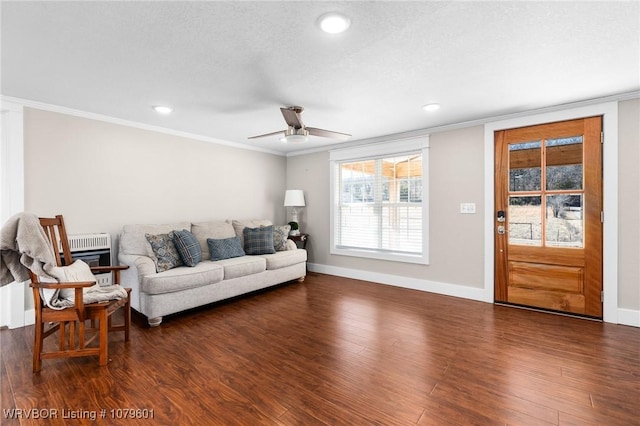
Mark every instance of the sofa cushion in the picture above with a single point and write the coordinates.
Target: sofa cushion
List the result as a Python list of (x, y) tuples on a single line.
[(239, 226), (225, 248), (216, 229), (182, 278), (283, 259), (165, 253), (188, 247), (241, 266), (133, 241), (280, 237), (259, 240)]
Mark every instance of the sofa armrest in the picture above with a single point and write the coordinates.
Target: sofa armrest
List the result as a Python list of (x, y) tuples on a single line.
[(142, 264), (139, 266)]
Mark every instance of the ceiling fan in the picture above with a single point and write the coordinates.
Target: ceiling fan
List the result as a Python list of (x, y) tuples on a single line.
[(297, 131)]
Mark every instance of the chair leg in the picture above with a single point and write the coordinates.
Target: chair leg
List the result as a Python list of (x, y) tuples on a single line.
[(72, 335), (81, 326), (37, 346), (104, 344), (127, 317)]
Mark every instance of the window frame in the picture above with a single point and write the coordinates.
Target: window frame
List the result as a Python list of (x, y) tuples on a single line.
[(374, 151)]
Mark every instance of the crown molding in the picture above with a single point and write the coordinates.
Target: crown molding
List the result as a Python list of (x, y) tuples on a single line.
[(471, 123), (119, 121)]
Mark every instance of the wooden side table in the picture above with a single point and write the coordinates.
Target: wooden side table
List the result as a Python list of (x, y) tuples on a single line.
[(301, 238)]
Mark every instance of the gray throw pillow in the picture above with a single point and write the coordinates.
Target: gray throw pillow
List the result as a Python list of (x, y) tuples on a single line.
[(225, 248), (188, 247), (259, 240), (166, 254)]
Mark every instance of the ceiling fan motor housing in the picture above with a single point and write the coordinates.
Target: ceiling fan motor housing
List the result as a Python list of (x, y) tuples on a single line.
[(293, 131)]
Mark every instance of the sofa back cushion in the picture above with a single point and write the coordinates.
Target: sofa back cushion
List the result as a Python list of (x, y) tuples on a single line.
[(215, 229), (133, 240)]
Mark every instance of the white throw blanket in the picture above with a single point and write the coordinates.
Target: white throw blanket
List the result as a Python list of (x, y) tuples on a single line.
[(24, 247)]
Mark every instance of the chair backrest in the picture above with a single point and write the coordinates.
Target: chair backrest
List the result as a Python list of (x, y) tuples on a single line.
[(57, 234)]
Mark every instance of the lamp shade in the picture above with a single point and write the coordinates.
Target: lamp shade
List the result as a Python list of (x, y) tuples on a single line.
[(294, 198)]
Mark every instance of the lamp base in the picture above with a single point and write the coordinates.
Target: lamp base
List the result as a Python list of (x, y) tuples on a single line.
[(295, 233)]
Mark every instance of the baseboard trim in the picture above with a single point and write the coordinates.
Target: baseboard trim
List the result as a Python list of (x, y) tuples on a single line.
[(456, 290), (29, 317), (629, 317), (625, 316)]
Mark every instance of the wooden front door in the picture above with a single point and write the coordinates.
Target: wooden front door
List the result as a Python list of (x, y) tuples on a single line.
[(548, 216)]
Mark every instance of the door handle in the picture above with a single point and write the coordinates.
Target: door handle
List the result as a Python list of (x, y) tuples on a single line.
[(501, 230)]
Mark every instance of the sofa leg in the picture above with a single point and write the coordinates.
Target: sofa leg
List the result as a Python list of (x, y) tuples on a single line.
[(154, 322), (301, 279)]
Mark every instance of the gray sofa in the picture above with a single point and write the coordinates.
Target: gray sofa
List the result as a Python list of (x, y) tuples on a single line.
[(156, 294)]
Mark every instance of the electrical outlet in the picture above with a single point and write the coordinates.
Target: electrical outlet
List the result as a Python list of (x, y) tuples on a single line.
[(467, 208)]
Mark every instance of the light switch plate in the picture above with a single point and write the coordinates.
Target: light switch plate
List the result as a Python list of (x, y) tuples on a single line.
[(467, 208)]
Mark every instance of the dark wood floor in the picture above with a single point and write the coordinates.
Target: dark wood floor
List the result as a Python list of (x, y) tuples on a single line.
[(342, 352)]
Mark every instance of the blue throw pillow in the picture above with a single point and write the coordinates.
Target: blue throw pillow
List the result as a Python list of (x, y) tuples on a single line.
[(225, 248), (188, 247), (259, 240)]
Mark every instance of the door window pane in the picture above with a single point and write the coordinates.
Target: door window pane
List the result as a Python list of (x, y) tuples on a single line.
[(525, 161), (564, 163), (525, 220), (564, 225)]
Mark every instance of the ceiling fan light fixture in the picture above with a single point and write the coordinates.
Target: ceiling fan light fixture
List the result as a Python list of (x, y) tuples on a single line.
[(294, 139), (431, 107), (162, 109), (292, 135), (334, 23)]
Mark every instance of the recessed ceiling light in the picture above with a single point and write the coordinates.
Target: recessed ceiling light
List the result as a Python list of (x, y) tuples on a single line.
[(162, 109), (334, 23), (431, 107)]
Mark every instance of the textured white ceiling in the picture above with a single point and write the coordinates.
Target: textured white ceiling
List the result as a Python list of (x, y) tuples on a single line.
[(227, 67)]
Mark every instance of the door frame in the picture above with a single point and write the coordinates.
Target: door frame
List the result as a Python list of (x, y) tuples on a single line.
[(609, 111), (14, 296)]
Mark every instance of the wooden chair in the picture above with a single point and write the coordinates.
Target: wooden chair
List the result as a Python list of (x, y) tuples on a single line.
[(48, 320)]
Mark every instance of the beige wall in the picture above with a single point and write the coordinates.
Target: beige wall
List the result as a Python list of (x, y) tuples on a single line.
[(456, 241), (101, 176), (456, 175), (629, 204)]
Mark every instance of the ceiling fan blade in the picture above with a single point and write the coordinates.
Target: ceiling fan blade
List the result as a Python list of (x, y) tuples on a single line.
[(328, 133), (279, 132), (292, 118)]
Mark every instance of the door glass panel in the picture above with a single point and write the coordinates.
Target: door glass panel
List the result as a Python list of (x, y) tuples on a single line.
[(525, 220), (564, 226), (525, 161), (564, 163)]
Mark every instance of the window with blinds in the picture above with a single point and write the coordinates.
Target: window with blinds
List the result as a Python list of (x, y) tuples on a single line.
[(379, 201)]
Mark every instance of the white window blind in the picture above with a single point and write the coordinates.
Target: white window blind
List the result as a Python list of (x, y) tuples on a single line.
[(379, 201)]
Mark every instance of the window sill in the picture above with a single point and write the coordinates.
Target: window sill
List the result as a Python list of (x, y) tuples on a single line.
[(377, 255)]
